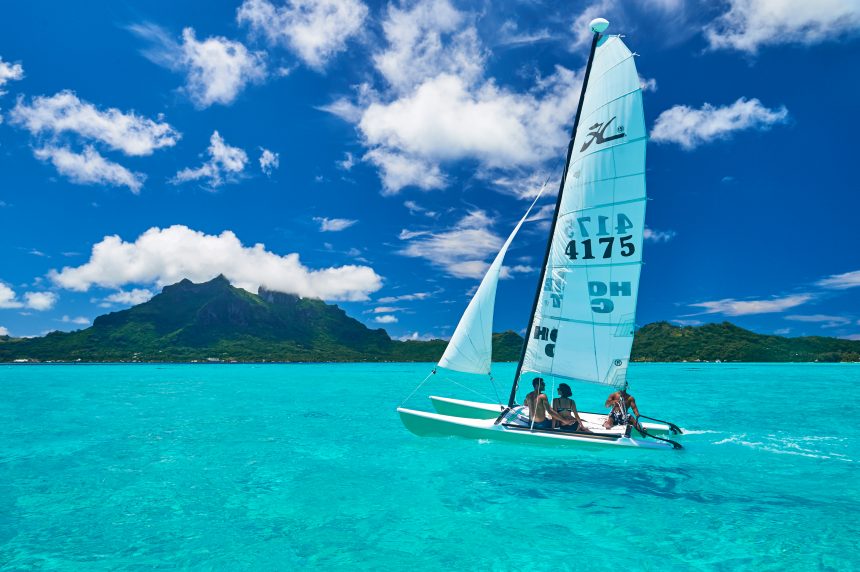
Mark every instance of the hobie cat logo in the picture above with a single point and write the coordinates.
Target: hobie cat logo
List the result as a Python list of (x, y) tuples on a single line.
[(544, 334), (596, 131)]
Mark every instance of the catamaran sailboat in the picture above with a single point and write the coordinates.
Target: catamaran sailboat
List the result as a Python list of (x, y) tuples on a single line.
[(582, 320)]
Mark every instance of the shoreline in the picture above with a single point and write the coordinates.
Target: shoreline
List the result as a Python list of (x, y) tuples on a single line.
[(431, 363)]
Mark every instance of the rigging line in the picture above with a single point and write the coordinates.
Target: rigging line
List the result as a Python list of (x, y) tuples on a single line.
[(495, 389), (478, 393), (431, 374)]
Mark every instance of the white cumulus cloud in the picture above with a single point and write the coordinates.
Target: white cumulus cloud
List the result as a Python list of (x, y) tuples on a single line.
[(315, 30), (750, 24), (61, 122), (428, 38), (732, 307), (690, 127), (80, 320), (387, 319), (4, 331), (65, 112), (216, 69), (33, 300), (9, 72), (334, 224), (164, 256), (436, 106), (131, 297), (40, 300), (442, 119), (90, 168), (269, 161), (8, 297), (399, 170), (225, 164), (445, 120)]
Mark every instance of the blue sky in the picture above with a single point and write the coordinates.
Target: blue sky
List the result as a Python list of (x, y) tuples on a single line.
[(377, 154)]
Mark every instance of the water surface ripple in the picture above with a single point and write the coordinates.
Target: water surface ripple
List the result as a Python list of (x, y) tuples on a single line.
[(250, 467)]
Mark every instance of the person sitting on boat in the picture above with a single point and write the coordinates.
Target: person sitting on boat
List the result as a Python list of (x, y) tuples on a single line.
[(620, 402), (541, 415), (566, 407)]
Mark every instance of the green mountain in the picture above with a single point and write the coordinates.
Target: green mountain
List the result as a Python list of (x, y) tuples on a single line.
[(215, 320), (662, 341)]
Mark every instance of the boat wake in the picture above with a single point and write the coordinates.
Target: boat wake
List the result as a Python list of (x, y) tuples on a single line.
[(800, 446)]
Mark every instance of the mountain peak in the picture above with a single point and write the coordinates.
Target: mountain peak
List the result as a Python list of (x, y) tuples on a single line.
[(275, 297), (186, 285)]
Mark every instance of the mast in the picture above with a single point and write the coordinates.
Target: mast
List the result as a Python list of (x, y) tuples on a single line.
[(597, 26)]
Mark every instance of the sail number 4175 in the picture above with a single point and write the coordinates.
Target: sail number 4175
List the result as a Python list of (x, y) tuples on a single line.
[(605, 242)]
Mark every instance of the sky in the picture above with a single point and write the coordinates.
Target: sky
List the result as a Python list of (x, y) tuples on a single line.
[(376, 155)]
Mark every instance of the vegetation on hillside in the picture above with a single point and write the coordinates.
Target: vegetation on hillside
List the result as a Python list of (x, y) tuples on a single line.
[(216, 321), (664, 342)]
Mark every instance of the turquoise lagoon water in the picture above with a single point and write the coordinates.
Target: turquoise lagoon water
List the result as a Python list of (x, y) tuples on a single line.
[(279, 467)]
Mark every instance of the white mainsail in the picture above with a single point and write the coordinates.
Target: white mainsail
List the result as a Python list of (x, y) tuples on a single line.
[(584, 318), (471, 347)]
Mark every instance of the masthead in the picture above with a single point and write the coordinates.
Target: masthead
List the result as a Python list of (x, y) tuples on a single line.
[(599, 25)]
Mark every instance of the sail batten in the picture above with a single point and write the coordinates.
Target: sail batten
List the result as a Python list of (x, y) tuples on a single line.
[(582, 327)]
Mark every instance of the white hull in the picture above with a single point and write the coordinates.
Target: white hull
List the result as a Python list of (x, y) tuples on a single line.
[(468, 409), (426, 423), (478, 410)]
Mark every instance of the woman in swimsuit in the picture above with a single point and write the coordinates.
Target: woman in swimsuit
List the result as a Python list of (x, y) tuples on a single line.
[(541, 415), (566, 407)]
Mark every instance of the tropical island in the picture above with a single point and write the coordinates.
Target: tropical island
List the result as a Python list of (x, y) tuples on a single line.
[(217, 322)]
